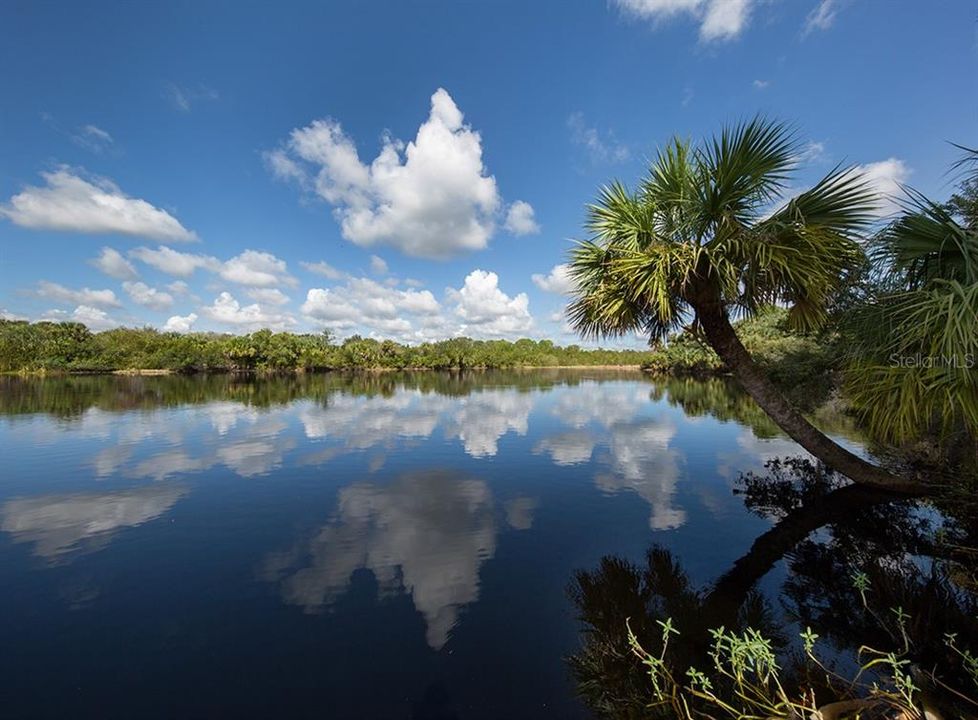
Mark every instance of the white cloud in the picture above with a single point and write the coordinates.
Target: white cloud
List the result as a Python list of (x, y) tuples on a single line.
[(180, 323), (430, 198), (378, 266), (558, 281), (143, 294), (93, 317), (761, 84), (85, 296), (886, 178), (228, 311), (363, 303), (600, 148), (718, 19), (812, 152), (325, 269), (269, 296), (178, 287), (112, 263), (8, 315), (821, 17), (257, 269), (486, 311), (883, 178), (70, 203), (173, 262), (520, 220)]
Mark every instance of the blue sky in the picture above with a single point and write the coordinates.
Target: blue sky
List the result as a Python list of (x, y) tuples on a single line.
[(413, 170)]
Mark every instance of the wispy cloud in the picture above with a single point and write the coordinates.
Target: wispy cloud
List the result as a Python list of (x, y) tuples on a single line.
[(821, 17), (601, 147), (183, 98)]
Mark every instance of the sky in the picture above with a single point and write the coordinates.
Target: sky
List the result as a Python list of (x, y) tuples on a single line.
[(415, 170)]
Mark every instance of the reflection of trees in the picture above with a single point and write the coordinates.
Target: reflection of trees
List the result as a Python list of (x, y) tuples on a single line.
[(890, 540), (63, 525), (426, 534), (69, 396), (723, 399)]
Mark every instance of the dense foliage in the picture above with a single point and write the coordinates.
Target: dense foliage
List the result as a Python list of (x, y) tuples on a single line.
[(67, 346), (800, 363)]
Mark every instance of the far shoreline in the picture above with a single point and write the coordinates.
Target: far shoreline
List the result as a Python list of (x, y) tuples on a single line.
[(160, 372)]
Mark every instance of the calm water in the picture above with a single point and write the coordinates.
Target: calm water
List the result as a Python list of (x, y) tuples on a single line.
[(371, 546)]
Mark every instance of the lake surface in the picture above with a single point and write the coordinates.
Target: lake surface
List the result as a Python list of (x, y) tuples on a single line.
[(346, 546)]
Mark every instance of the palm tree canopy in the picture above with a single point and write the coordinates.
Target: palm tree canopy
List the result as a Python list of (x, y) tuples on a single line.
[(701, 221), (915, 343)]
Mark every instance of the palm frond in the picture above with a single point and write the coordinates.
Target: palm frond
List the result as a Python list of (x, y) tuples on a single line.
[(744, 168)]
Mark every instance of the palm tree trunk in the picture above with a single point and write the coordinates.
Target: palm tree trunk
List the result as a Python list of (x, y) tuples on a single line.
[(724, 341)]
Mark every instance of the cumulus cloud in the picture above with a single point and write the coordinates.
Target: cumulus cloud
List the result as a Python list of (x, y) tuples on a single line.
[(718, 19), (71, 203), (325, 269), (173, 262), (821, 17), (386, 311), (761, 84), (269, 296), (257, 269), (228, 311), (180, 323), (112, 263), (520, 220), (93, 317), (85, 296), (486, 311), (143, 294), (600, 147), (378, 266), (558, 281), (431, 197), (886, 178)]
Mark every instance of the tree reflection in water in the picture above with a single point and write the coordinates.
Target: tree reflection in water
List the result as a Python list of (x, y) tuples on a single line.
[(855, 559)]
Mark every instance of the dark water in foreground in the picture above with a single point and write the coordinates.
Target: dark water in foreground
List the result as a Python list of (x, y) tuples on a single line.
[(371, 546)]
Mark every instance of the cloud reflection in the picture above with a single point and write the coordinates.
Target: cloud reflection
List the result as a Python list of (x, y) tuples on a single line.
[(63, 525), (425, 534)]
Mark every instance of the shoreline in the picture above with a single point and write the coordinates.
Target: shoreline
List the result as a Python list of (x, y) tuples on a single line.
[(160, 372)]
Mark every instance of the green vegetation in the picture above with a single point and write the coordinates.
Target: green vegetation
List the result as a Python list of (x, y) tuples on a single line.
[(71, 347), (914, 339), (801, 363), (697, 241)]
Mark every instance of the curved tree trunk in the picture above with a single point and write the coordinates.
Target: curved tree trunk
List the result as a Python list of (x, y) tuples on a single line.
[(723, 339)]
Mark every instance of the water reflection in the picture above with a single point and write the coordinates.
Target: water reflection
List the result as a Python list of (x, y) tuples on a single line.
[(425, 534), (910, 557), (298, 495), (61, 526)]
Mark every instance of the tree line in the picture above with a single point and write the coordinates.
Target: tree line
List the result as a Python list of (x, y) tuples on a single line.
[(72, 347)]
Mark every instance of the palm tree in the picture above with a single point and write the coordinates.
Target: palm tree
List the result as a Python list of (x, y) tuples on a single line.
[(915, 341), (697, 241)]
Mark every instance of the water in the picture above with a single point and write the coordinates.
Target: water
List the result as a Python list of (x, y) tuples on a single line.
[(359, 546)]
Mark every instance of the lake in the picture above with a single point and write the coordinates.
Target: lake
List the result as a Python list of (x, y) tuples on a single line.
[(354, 546)]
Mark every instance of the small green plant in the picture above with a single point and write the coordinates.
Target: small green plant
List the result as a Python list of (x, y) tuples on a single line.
[(744, 680)]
